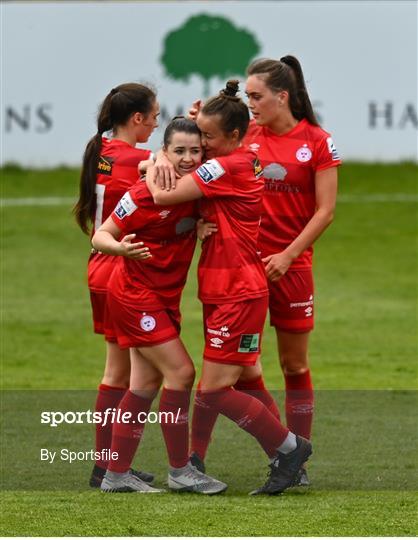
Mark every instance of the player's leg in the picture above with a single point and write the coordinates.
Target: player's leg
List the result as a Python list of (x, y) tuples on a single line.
[(117, 370), (127, 432), (203, 423), (174, 363), (224, 362), (176, 366), (233, 334), (293, 354), (217, 392), (115, 381), (299, 401), (113, 386), (286, 451), (251, 382), (136, 330), (292, 315), (156, 353)]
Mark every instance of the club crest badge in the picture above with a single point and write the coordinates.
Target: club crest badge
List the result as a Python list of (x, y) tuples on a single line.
[(147, 323), (304, 154)]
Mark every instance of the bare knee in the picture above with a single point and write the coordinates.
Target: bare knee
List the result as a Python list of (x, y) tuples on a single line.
[(293, 352), (249, 373), (182, 378), (145, 385), (118, 381), (118, 367), (293, 364), (115, 375)]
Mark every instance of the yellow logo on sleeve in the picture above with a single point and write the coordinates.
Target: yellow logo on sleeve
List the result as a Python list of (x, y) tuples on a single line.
[(105, 165), (258, 169)]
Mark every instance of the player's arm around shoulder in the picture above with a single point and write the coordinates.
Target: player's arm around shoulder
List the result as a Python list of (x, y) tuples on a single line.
[(186, 190)]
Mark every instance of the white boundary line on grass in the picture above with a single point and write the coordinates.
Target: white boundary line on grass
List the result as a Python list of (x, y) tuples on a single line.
[(367, 198), (378, 197), (37, 201)]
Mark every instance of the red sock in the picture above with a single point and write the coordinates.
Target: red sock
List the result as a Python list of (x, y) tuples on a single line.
[(126, 436), (176, 434), (203, 422), (108, 397), (299, 403), (257, 389), (249, 414), (204, 417)]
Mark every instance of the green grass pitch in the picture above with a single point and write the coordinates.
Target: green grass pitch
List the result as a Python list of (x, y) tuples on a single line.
[(363, 355)]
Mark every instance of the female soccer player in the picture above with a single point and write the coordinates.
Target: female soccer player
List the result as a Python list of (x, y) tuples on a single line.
[(300, 171), (232, 282), (143, 302), (109, 169), (299, 161)]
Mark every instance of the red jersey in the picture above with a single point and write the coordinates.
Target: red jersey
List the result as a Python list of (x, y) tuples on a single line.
[(290, 162), (230, 268), (117, 171), (170, 234)]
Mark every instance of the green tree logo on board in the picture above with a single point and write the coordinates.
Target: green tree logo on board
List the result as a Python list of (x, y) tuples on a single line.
[(208, 46)]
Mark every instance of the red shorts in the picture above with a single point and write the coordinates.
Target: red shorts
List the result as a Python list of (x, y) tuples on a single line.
[(99, 308), (233, 332), (136, 327), (291, 303)]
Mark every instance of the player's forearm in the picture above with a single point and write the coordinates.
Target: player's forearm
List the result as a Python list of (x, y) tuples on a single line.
[(312, 231), (156, 192), (163, 197), (105, 242)]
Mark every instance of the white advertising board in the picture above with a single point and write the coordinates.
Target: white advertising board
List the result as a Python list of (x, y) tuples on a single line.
[(59, 60)]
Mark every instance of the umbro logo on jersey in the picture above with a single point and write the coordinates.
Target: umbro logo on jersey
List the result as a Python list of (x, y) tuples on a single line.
[(105, 165), (164, 213)]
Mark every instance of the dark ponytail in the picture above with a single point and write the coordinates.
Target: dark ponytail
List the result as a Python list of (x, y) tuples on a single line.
[(286, 74), (116, 109), (232, 110)]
